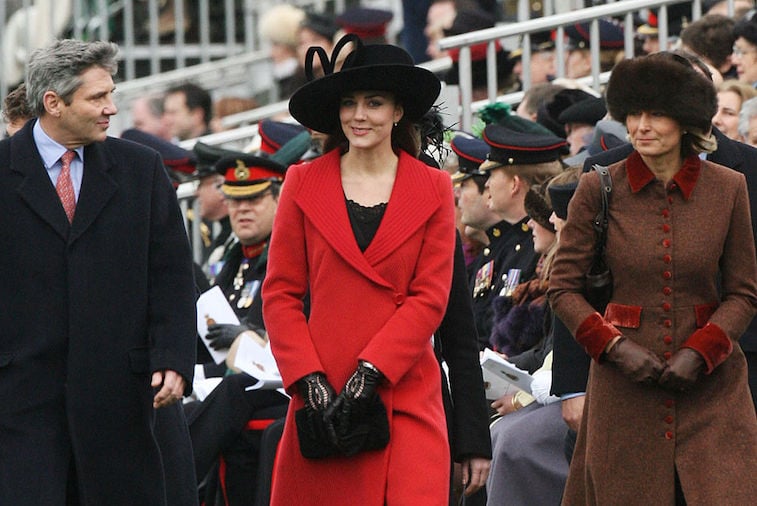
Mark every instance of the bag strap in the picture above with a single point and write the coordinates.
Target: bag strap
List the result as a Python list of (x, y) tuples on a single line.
[(601, 220)]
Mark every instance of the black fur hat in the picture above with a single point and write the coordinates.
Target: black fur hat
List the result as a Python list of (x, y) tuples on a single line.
[(664, 83)]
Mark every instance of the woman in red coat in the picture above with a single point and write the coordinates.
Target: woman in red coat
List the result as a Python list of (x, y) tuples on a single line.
[(367, 232), (668, 417)]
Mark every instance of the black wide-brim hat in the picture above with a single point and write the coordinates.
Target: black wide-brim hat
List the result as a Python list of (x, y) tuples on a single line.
[(377, 67)]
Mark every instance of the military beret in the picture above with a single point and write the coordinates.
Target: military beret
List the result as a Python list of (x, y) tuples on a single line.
[(509, 147), (364, 22), (274, 134), (246, 176), (321, 24), (207, 156), (587, 111), (679, 16), (180, 162), (539, 41), (610, 35), (471, 153), (548, 113)]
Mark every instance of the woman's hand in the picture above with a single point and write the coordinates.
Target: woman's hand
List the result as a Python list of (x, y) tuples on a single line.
[(638, 363), (683, 370), (505, 405)]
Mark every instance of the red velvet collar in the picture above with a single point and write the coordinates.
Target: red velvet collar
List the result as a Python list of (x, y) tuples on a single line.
[(686, 178)]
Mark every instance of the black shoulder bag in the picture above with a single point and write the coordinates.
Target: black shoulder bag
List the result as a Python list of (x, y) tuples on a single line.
[(599, 277)]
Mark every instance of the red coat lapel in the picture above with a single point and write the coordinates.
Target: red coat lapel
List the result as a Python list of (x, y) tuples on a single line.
[(414, 199)]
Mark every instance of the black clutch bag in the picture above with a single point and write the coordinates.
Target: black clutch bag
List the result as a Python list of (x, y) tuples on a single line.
[(599, 277), (311, 433), (367, 431)]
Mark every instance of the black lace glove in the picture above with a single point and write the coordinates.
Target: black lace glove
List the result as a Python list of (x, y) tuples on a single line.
[(221, 335), (350, 420), (683, 370), (317, 394), (638, 363), (316, 391)]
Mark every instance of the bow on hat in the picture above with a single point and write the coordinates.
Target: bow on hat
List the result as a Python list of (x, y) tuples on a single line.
[(327, 64)]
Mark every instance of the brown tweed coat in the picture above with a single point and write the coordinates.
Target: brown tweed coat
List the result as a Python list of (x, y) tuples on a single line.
[(667, 248)]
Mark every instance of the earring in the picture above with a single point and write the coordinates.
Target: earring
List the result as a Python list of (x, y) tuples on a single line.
[(395, 123)]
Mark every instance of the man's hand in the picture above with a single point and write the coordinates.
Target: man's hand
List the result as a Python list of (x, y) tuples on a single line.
[(573, 410), (475, 472), (221, 335), (172, 386)]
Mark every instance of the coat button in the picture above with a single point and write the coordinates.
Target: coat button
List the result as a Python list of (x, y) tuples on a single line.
[(670, 200), (667, 259), (667, 355), (666, 228), (666, 306), (667, 290), (665, 213), (667, 274), (669, 403), (668, 419), (667, 323), (669, 435), (667, 340), (398, 298), (666, 243)]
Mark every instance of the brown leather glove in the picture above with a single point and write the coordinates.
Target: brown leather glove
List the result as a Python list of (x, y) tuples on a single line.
[(638, 363), (683, 370)]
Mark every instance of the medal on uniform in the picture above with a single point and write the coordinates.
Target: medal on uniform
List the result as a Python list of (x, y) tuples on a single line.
[(483, 280), (248, 294)]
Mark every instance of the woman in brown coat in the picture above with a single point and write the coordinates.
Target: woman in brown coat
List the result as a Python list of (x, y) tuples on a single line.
[(668, 417)]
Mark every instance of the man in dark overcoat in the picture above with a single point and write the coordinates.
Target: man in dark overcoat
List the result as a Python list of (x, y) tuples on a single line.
[(98, 299)]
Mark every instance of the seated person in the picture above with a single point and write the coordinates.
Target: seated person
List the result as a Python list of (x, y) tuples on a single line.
[(251, 187), (528, 465)]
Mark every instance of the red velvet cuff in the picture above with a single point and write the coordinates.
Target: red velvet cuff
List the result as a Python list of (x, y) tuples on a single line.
[(712, 343), (594, 334)]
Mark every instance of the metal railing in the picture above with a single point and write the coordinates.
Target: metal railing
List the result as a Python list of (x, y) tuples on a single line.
[(557, 22), (154, 35)]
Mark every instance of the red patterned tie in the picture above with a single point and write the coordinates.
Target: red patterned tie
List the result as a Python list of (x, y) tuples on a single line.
[(65, 187)]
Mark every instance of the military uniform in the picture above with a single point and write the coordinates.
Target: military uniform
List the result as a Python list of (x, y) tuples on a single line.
[(508, 259), (217, 424), (240, 279), (527, 151)]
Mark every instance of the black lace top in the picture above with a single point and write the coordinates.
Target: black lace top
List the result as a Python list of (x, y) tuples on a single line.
[(365, 221)]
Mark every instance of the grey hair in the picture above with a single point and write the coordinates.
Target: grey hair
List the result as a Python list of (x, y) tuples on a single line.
[(747, 112), (58, 68)]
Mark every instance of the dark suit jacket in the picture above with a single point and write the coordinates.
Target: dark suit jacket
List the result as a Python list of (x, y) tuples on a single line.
[(456, 342), (89, 311), (571, 364)]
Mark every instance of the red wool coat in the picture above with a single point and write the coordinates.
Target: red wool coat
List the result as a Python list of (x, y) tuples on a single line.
[(381, 306), (684, 272)]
